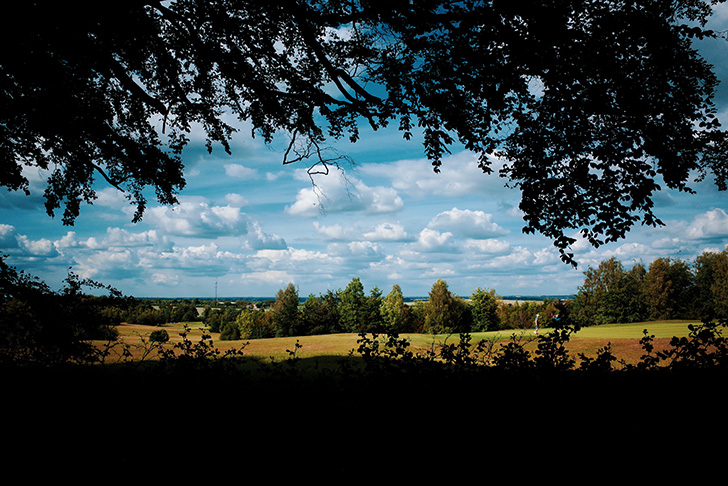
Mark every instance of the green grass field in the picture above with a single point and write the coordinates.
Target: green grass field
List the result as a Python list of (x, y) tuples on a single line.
[(624, 339)]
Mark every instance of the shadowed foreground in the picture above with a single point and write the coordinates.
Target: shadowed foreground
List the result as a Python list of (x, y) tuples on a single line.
[(429, 423)]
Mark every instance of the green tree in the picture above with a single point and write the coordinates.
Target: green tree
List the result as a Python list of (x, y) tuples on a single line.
[(353, 311), (629, 303), (395, 313), (710, 285), (285, 315), (320, 315), (39, 325), (668, 288), (611, 294), (184, 311), (374, 320), (519, 315), (252, 324), (598, 298), (445, 312), (719, 286), (216, 318), (86, 92), (484, 305)]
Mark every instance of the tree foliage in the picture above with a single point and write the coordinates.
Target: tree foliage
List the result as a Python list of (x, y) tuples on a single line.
[(484, 305), (668, 289), (352, 307), (395, 313), (320, 314), (589, 103), (40, 325), (446, 312), (285, 316)]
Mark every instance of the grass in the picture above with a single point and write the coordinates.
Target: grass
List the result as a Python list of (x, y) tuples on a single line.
[(623, 338)]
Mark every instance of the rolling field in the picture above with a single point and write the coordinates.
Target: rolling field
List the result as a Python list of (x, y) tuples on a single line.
[(624, 340)]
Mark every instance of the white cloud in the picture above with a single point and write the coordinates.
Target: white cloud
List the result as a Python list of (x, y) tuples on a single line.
[(8, 236), (259, 240), (711, 224), (387, 232), (114, 263), (459, 176), (464, 222), (119, 237), (430, 240), (291, 258), (236, 200), (517, 260), (195, 217), (339, 194), (240, 171), (489, 246), (277, 277), (166, 279), (334, 232), (354, 249), (41, 247)]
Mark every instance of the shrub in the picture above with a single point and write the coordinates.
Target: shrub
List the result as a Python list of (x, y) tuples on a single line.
[(159, 336)]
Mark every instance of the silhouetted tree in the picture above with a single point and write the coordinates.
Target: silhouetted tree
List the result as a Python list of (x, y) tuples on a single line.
[(39, 325), (588, 103)]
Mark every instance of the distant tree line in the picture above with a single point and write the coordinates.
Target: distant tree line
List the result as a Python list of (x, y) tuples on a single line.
[(352, 310), (668, 288)]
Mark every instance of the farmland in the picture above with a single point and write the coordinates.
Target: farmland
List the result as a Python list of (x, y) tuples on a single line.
[(624, 340)]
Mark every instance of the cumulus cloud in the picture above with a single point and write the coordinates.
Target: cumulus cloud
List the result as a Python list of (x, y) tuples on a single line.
[(205, 259), (711, 224), (360, 249), (236, 200), (334, 232), (259, 240), (488, 246), (520, 258), (291, 258), (458, 176), (467, 223), (8, 236), (196, 217), (276, 277), (433, 240), (239, 171), (41, 247), (118, 263), (340, 194), (119, 237), (387, 232)]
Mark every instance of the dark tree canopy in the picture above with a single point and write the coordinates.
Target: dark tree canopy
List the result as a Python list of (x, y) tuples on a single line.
[(588, 102)]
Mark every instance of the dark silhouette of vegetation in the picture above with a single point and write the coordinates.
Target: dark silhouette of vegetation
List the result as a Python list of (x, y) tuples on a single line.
[(90, 93), (504, 390)]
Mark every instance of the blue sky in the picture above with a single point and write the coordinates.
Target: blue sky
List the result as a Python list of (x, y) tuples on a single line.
[(252, 225)]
